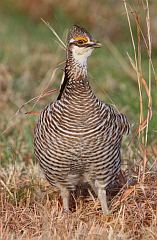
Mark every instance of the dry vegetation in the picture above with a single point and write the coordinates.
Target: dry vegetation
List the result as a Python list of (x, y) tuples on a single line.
[(29, 207)]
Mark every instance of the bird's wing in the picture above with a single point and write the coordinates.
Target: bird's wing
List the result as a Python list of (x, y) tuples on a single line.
[(118, 119)]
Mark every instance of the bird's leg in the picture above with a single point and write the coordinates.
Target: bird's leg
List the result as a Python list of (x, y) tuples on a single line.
[(102, 198), (65, 193), (94, 188)]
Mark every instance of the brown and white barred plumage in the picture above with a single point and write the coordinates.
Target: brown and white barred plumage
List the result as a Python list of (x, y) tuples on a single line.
[(78, 137)]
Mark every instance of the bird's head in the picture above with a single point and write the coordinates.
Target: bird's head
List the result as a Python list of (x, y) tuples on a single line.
[(80, 45)]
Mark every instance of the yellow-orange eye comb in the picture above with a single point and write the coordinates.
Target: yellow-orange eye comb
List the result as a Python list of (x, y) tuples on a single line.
[(80, 38)]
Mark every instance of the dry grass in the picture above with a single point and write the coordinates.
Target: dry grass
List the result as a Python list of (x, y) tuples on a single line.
[(31, 209)]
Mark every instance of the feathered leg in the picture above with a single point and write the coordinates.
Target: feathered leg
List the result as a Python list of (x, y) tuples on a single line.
[(65, 194)]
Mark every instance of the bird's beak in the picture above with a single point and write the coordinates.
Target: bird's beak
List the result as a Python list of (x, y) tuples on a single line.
[(94, 44)]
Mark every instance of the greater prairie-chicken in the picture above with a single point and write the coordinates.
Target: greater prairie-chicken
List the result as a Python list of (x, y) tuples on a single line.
[(78, 137)]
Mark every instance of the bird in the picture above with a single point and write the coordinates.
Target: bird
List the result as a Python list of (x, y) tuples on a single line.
[(77, 138)]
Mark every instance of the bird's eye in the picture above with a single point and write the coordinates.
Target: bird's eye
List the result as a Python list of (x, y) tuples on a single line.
[(80, 41)]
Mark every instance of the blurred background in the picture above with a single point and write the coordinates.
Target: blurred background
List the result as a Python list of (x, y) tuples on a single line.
[(29, 52)]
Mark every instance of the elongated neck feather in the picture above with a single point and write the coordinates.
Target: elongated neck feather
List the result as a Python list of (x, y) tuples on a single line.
[(75, 69)]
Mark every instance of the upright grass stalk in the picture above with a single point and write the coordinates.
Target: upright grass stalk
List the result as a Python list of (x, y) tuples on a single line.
[(135, 62), (142, 83), (149, 66)]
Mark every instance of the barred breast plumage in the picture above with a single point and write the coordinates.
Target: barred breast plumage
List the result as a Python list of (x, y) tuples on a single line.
[(78, 137)]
